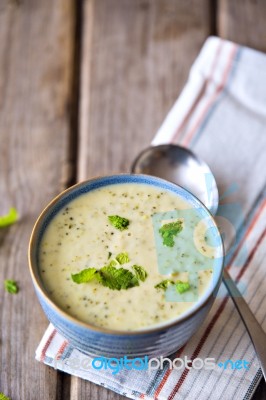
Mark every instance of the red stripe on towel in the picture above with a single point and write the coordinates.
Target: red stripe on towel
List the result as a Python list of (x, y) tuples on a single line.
[(166, 375), (216, 316), (191, 110), (61, 349), (250, 228), (47, 344), (219, 89)]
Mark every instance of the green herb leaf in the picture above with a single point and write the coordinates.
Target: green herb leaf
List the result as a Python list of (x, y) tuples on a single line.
[(140, 272), (117, 278), (118, 222), (109, 255), (182, 287), (164, 284), (9, 218), (4, 397), (11, 286), (122, 258), (169, 231), (86, 275), (112, 263)]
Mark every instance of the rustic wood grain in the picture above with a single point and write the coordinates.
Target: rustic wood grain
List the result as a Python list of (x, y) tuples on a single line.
[(36, 57), (243, 21), (136, 57)]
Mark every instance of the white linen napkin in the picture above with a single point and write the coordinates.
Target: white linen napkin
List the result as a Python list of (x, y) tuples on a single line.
[(221, 114)]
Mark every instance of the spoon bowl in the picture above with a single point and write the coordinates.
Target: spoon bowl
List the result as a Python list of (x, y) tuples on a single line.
[(181, 166)]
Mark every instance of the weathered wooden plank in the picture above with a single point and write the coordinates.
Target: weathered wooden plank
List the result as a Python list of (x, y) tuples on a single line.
[(135, 60), (36, 57), (243, 21)]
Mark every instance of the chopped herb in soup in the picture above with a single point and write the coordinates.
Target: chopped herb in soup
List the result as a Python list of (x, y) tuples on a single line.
[(99, 261)]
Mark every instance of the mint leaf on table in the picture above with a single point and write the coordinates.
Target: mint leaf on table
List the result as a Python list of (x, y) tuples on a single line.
[(11, 287), (182, 287), (4, 397), (118, 222), (9, 219), (169, 231), (140, 272), (122, 258), (164, 284)]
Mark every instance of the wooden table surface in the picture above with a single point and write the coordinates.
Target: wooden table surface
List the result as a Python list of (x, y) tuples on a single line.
[(83, 87)]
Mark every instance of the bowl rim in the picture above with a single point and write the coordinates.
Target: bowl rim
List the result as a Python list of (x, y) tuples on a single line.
[(107, 331)]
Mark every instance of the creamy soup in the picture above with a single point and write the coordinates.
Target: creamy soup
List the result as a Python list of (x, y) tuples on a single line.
[(86, 234)]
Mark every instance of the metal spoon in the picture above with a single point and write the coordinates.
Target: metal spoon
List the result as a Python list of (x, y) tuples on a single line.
[(181, 166)]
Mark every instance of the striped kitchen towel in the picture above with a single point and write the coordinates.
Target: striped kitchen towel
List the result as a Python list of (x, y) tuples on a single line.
[(221, 114)]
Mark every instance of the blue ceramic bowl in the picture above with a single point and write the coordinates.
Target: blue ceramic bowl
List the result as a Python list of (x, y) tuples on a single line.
[(161, 340)]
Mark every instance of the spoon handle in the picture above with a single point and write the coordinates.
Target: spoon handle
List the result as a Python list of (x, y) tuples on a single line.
[(255, 331)]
